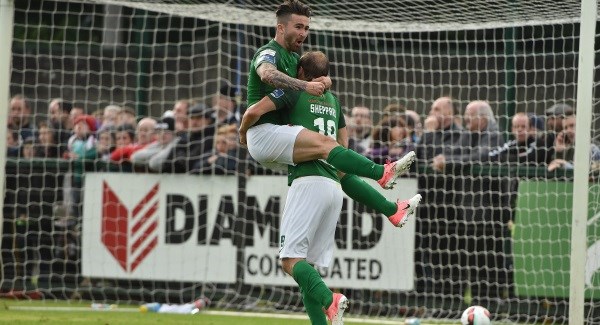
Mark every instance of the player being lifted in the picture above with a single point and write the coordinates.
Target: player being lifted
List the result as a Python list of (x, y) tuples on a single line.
[(275, 144), (314, 200)]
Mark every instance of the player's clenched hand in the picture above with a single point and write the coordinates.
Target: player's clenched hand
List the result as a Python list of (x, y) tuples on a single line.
[(325, 80), (315, 88), (243, 139)]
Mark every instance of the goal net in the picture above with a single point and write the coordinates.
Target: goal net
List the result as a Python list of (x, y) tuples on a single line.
[(494, 233)]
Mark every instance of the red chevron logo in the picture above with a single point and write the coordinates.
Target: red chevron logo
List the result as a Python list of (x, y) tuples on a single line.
[(129, 237)]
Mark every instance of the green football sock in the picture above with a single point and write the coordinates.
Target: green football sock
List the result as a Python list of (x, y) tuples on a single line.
[(362, 192), (314, 310), (351, 162), (311, 283)]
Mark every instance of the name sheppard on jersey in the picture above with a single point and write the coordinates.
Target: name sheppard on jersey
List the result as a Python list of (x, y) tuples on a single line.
[(320, 109)]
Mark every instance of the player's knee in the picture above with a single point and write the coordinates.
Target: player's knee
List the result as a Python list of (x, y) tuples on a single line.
[(288, 264), (326, 145)]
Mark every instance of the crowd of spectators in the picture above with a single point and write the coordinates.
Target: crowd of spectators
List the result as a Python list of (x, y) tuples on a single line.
[(449, 134), (175, 142), (195, 138)]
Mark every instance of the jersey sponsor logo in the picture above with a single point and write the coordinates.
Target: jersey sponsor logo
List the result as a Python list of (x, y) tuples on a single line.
[(267, 55), (277, 93)]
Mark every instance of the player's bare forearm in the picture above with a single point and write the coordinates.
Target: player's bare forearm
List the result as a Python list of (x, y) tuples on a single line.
[(269, 74), (342, 137), (246, 124)]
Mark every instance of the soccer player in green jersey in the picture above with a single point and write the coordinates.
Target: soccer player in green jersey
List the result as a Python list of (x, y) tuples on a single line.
[(314, 199), (275, 144)]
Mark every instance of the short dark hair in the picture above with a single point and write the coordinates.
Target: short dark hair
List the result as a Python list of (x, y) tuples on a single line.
[(130, 129), (290, 7), (315, 64), (66, 106)]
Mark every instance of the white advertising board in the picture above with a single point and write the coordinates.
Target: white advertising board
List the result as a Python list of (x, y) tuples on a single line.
[(181, 228), (142, 226)]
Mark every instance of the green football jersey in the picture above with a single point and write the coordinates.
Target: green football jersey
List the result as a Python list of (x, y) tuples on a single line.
[(322, 114), (285, 61)]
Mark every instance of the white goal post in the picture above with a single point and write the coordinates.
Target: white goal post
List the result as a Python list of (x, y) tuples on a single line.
[(518, 239)]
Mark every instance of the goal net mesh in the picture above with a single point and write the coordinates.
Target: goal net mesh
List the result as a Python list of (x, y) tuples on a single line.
[(494, 234)]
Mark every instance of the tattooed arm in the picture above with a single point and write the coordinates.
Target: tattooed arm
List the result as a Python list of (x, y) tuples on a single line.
[(269, 74)]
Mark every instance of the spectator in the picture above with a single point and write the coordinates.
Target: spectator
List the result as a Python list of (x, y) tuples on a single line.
[(144, 135), (169, 113), (564, 147), (525, 146), (440, 129), (20, 116), (124, 136), (27, 149), (417, 131), (75, 113), (411, 119), (481, 135), (81, 147), (59, 112), (168, 140), (537, 122), (352, 143), (82, 141), (106, 143), (99, 116), (109, 117), (224, 105), (198, 140), (126, 116), (555, 116), (164, 134), (46, 146), (359, 135), (225, 155), (394, 109), (180, 111), (12, 143), (391, 139)]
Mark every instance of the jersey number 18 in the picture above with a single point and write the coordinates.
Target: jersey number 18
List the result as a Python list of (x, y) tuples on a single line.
[(331, 129)]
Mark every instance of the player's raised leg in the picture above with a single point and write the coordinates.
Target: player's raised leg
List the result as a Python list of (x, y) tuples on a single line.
[(310, 145), (398, 213)]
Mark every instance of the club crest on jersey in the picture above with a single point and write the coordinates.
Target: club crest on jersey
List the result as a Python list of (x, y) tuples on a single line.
[(277, 93)]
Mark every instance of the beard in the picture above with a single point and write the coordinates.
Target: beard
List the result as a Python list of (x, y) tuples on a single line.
[(291, 43)]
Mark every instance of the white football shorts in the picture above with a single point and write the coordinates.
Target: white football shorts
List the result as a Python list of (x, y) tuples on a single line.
[(273, 145), (310, 216)]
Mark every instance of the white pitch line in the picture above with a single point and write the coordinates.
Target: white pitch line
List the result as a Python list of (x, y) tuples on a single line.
[(208, 312), (38, 308), (296, 316)]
